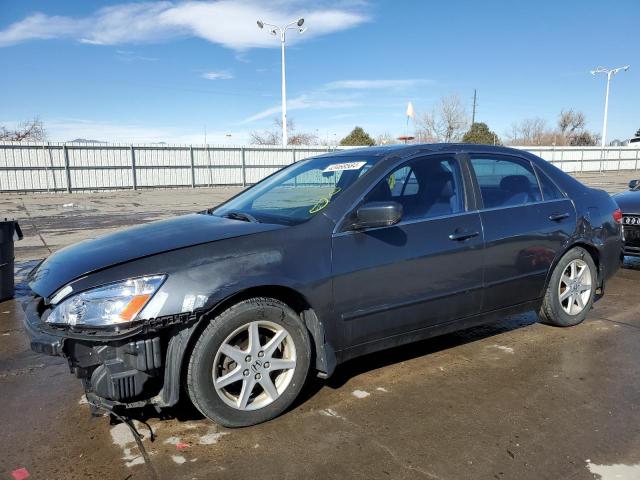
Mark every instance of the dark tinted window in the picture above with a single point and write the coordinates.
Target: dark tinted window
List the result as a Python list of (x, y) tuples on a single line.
[(506, 182), (424, 187), (549, 189)]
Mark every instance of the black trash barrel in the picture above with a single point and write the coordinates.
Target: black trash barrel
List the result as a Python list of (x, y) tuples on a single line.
[(9, 231)]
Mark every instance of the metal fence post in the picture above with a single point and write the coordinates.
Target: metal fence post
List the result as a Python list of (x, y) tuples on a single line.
[(637, 151), (193, 168), (134, 180), (619, 158), (293, 151), (244, 167), (582, 161), (67, 171)]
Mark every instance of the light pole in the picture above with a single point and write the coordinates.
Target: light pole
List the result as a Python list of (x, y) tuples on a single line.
[(610, 73), (281, 31)]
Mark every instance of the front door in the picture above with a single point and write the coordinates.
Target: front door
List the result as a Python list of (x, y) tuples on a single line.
[(423, 271)]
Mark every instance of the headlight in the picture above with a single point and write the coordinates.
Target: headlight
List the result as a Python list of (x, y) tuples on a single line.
[(112, 304)]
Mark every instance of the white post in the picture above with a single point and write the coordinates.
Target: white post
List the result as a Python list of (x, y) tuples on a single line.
[(606, 111), (284, 94)]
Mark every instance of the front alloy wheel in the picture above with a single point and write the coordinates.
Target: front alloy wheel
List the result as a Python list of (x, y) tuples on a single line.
[(254, 365), (249, 363)]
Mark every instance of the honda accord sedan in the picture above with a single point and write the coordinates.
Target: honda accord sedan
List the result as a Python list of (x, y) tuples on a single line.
[(330, 258), (629, 203)]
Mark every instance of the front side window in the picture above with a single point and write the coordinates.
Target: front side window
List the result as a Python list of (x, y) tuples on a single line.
[(506, 182), (425, 188), (298, 192)]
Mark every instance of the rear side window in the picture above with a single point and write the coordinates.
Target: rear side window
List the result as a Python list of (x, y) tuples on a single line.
[(549, 189), (506, 182)]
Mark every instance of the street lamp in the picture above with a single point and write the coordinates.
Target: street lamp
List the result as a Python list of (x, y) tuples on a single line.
[(610, 73), (281, 31)]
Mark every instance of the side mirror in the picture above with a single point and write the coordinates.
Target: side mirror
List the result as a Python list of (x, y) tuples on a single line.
[(377, 214), (633, 184)]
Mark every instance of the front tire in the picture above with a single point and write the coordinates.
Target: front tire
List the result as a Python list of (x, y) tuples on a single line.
[(571, 289), (249, 364)]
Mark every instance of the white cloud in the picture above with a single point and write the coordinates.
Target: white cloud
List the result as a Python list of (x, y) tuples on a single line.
[(303, 102), (217, 76), (231, 23), (67, 129), (375, 84)]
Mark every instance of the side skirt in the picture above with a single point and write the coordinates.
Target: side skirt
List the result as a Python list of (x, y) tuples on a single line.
[(435, 330)]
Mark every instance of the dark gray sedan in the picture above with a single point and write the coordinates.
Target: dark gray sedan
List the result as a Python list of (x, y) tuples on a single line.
[(330, 258)]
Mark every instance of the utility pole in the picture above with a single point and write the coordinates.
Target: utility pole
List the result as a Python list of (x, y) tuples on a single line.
[(281, 32), (473, 115), (610, 73)]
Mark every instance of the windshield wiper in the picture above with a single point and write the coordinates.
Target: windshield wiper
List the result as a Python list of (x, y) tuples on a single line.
[(245, 217)]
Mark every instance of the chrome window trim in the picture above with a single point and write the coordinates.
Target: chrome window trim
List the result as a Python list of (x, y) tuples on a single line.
[(407, 222)]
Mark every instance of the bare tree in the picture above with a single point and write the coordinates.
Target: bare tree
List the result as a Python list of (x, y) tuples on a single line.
[(273, 136), (386, 139), (530, 131), (570, 131), (30, 131), (571, 122), (447, 122)]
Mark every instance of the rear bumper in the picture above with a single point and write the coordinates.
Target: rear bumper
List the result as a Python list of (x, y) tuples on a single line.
[(631, 251)]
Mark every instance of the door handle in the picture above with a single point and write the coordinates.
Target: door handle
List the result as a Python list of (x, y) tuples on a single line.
[(460, 236), (556, 217)]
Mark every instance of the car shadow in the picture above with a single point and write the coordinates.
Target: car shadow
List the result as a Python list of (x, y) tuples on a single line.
[(373, 361)]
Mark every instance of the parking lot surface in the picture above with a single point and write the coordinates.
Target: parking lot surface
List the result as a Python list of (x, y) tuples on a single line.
[(514, 399)]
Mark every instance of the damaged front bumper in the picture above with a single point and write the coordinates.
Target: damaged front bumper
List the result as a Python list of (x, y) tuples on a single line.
[(116, 368)]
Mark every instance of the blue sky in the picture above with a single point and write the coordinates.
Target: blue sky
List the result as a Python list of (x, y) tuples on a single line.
[(165, 71)]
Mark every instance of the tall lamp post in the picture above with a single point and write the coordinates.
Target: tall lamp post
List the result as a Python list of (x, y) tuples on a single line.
[(610, 73), (275, 30)]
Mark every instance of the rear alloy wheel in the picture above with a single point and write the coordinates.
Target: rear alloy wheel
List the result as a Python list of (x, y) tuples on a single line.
[(571, 289), (574, 288), (249, 363)]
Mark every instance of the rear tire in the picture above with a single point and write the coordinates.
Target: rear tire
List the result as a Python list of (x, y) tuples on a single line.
[(571, 289), (250, 363)]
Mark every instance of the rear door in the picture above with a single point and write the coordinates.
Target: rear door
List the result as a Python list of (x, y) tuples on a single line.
[(425, 270), (526, 221)]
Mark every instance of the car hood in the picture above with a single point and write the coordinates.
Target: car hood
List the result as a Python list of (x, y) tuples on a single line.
[(89, 256), (629, 202)]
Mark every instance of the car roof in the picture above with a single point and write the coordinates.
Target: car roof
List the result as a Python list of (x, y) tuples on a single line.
[(403, 150)]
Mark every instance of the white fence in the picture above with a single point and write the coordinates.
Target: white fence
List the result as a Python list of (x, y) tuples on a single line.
[(70, 167)]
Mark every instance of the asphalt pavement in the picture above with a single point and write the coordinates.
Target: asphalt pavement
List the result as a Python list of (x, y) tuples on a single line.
[(514, 399)]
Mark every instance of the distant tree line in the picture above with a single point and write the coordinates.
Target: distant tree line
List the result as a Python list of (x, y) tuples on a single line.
[(30, 131)]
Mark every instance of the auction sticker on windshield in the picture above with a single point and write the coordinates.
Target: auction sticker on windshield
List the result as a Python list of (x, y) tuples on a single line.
[(337, 167)]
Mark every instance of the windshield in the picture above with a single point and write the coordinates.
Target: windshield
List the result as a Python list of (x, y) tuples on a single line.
[(298, 192)]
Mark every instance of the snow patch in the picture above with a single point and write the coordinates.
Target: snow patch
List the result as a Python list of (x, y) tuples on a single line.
[(211, 437), (360, 394), (179, 459), (329, 412), (382, 389), (503, 348), (617, 471)]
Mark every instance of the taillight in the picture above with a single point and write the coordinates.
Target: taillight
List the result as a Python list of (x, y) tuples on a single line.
[(617, 215)]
